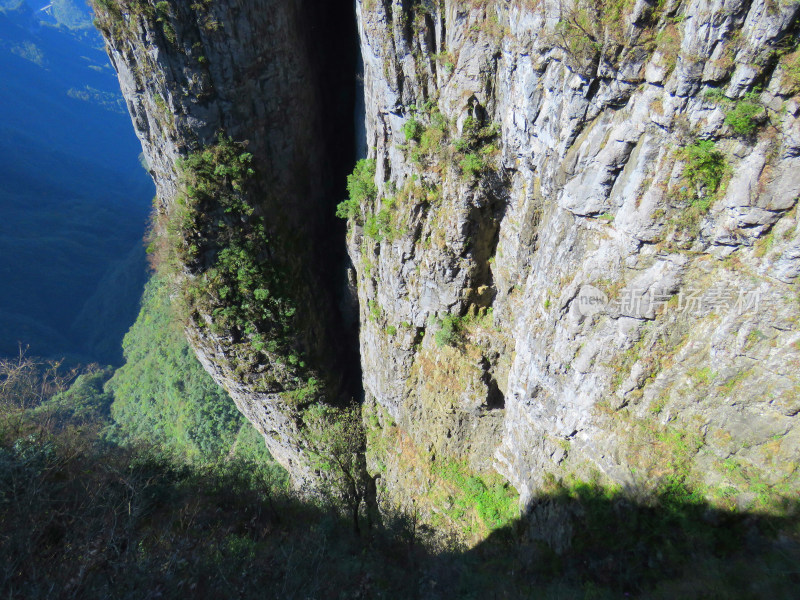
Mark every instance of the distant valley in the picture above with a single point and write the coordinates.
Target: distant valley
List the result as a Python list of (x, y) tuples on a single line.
[(74, 198)]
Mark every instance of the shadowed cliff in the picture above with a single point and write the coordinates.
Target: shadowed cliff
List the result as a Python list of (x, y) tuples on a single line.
[(246, 116)]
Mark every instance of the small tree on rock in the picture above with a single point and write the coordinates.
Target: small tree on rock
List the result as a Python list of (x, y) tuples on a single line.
[(337, 442)]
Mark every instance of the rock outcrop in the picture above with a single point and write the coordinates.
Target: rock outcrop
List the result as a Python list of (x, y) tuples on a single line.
[(577, 253), (198, 76)]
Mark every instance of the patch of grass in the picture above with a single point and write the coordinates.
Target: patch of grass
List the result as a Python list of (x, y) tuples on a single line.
[(623, 363), (753, 338), (493, 501), (576, 36), (429, 143), (110, 16), (471, 165), (379, 226), (790, 64), (706, 168), (597, 30), (304, 394), (163, 12), (703, 376), (764, 245), (449, 332), (446, 60), (668, 42), (657, 407), (742, 117), (413, 130), (715, 95), (375, 311), (734, 381)]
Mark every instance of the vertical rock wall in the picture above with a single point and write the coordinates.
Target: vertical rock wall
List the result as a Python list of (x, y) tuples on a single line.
[(191, 72), (602, 119)]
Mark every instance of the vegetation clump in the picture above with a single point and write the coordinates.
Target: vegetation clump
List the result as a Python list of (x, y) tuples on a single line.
[(431, 144), (471, 165), (111, 15), (163, 12), (704, 174), (361, 205), (361, 190), (426, 140), (790, 64), (337, 440), (449, 332), (233, 281), (742, 116), (475, 147), (452, 328), (705, 169), (413, 130), (378, 226), (597, 31), (494, 501), (162, 394)]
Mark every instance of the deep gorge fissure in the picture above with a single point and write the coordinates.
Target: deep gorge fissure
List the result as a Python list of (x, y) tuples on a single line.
[(335, 54)]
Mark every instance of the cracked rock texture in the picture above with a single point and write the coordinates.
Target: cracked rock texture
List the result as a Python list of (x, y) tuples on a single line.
[(695, 353)]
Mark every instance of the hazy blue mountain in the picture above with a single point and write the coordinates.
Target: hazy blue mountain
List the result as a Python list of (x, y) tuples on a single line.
[(74, 198)]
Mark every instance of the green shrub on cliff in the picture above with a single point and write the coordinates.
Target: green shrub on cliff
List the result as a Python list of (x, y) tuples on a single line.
[(379, 226), (705, 168), (742, 118), (236, 275), (449, 332), (413, 129), (743, 115), (704, 173), (361, 189), (471, 165)]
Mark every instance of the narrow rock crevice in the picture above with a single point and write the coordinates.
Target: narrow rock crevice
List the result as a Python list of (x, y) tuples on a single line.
[(336, 58)]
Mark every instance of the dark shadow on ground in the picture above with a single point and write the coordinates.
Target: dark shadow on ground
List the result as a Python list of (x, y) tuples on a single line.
[(80, 518), (589, 542)]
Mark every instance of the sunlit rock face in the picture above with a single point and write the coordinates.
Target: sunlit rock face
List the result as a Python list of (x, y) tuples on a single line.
[(590, 189)]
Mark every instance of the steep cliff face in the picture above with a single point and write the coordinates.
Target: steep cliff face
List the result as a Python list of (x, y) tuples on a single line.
[(229, 103), (533, 156), (575, 238)]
